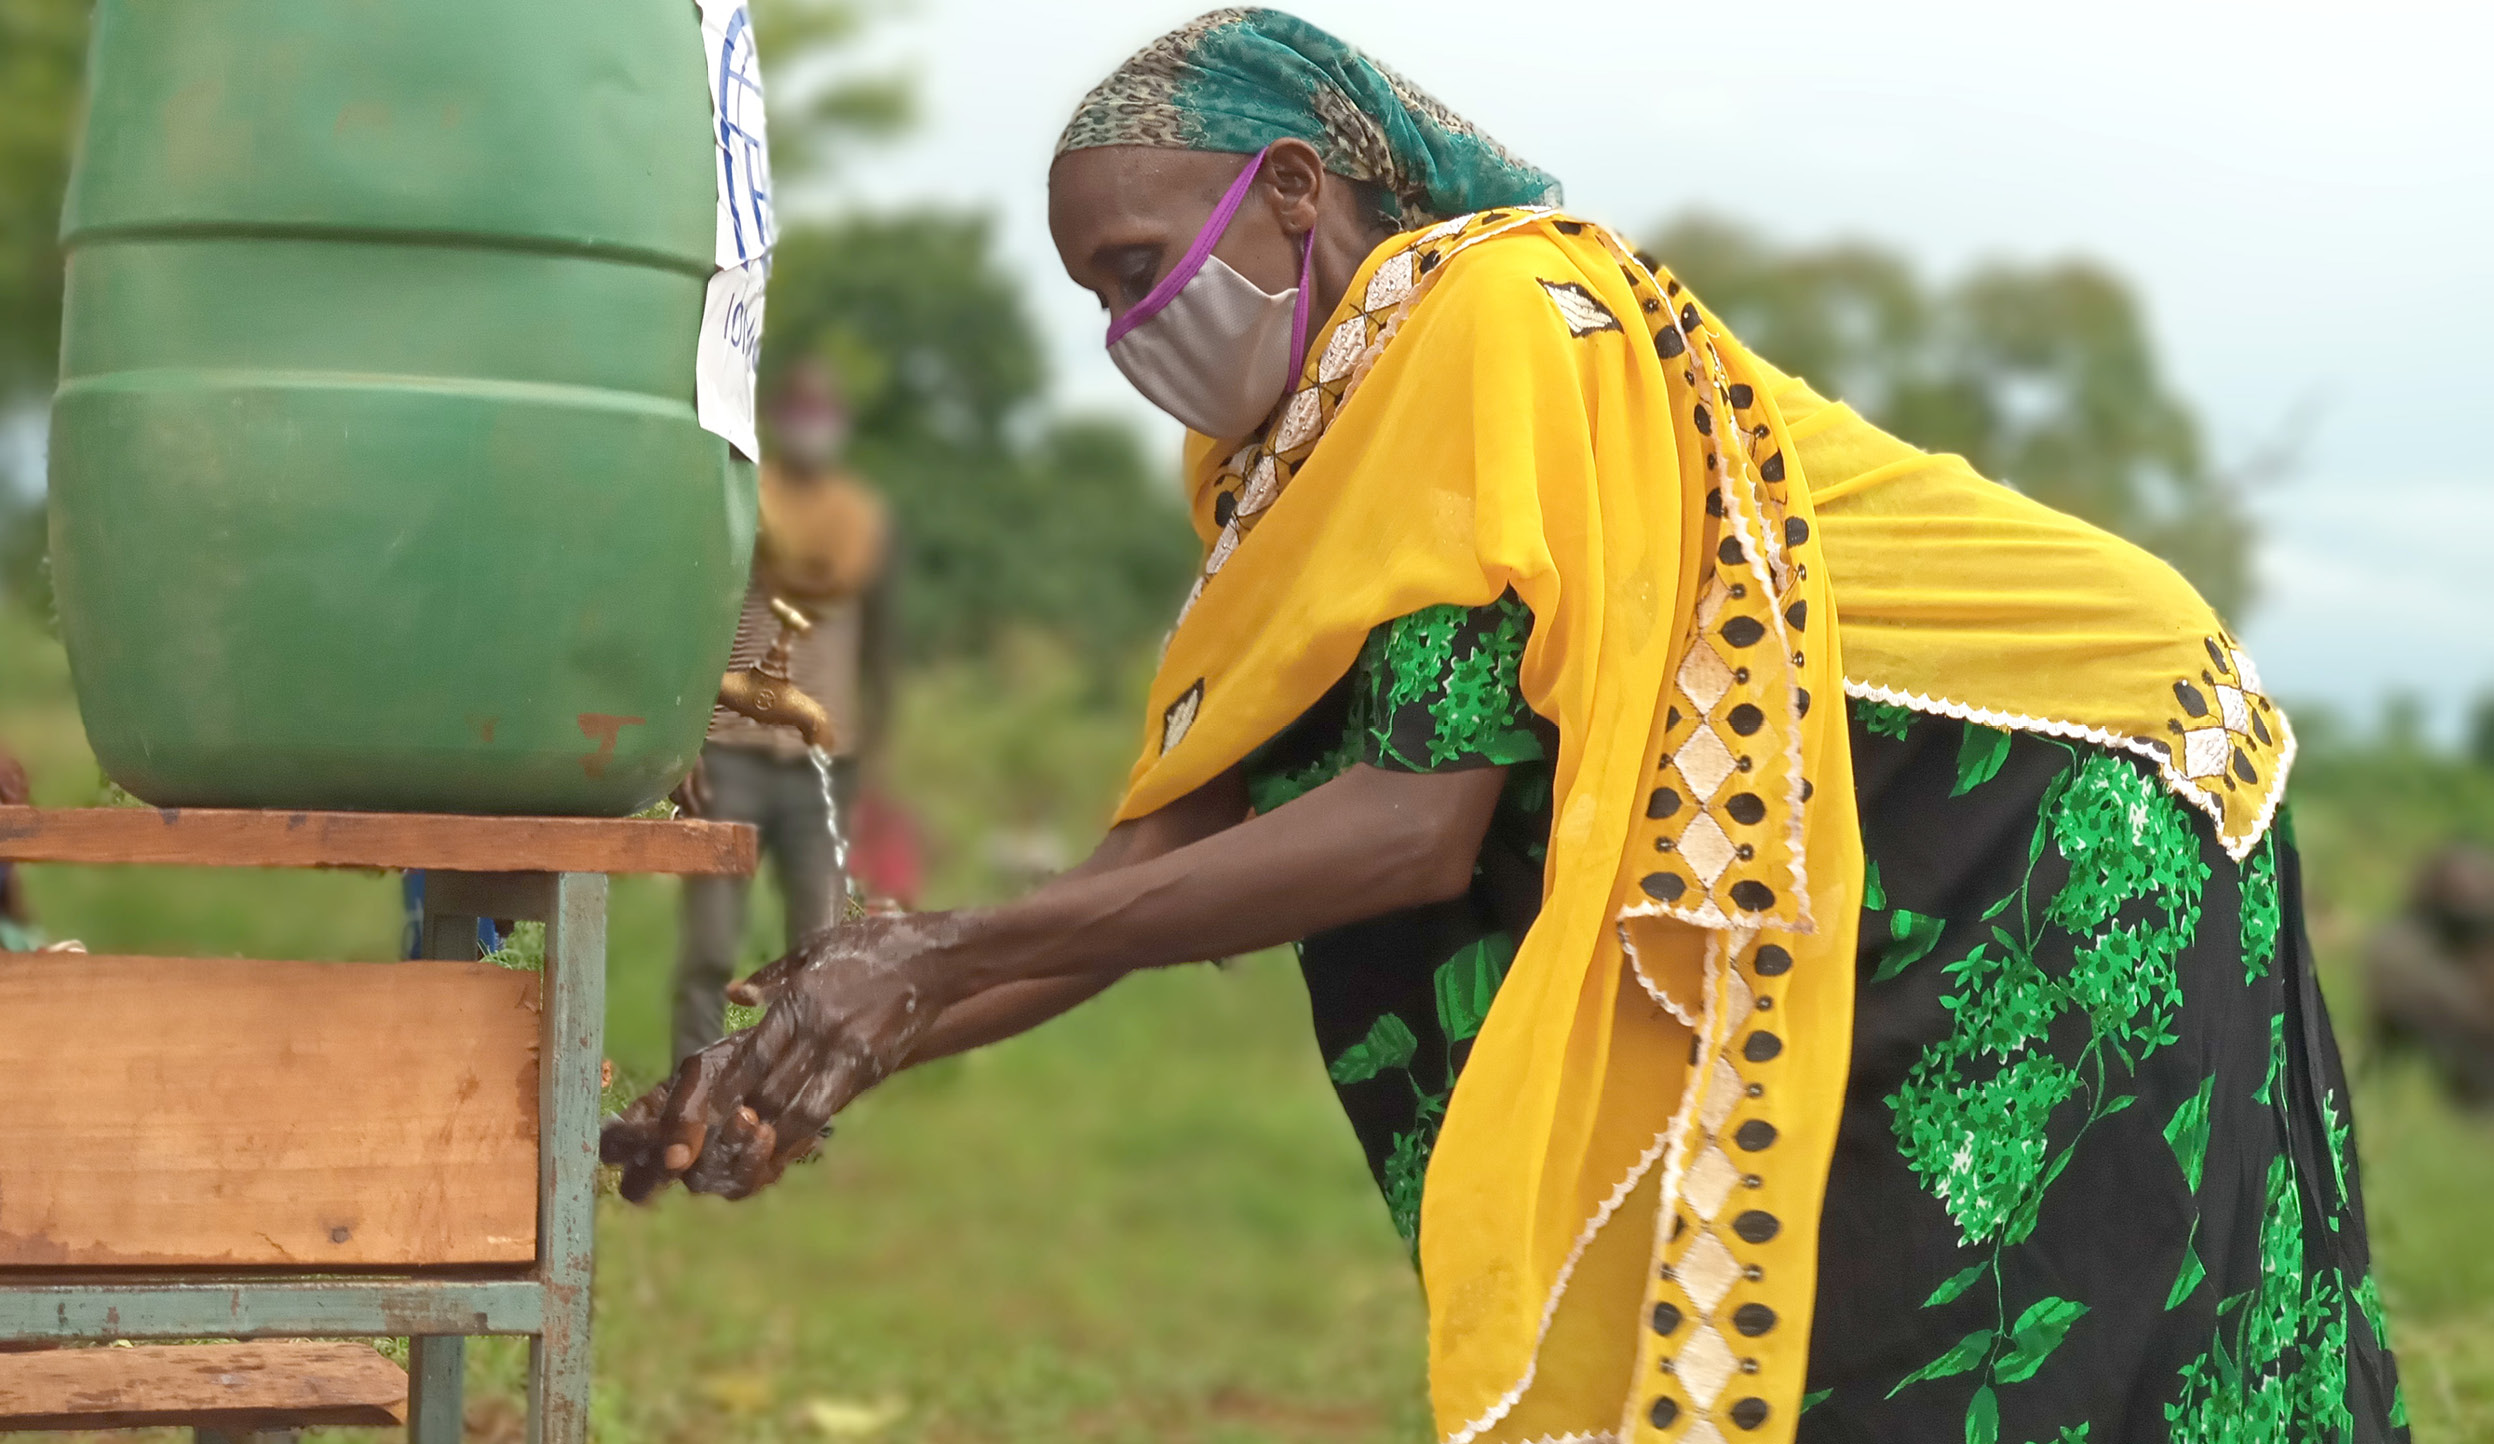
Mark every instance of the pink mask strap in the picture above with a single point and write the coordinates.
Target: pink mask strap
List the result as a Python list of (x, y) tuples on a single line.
[(1196, 255)]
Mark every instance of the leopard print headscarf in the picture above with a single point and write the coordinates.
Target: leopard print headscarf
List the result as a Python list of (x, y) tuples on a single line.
[(1238, 80)]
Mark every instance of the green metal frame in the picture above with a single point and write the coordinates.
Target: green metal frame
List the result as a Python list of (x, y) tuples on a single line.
[(548, 1302)]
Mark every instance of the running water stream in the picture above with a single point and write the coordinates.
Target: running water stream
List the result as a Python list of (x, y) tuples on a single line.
[(845, 904)]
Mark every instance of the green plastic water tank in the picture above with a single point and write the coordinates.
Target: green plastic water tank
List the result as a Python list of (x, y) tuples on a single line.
[(375, 476)]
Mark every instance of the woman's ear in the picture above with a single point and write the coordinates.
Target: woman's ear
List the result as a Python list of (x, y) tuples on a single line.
[(1294, 184)]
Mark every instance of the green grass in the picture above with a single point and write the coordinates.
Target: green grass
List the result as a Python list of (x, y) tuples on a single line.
[(2363, 818), (1147, 1222)]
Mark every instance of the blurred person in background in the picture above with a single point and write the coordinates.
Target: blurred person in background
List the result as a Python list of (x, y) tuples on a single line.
[(825, 547), (1800, 931), (17, 921), (887, 851), (2430, 971), (490, 932)]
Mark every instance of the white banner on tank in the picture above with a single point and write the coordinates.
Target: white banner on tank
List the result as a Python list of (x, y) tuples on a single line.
[(731, 347), (746, 229), (731, 312)]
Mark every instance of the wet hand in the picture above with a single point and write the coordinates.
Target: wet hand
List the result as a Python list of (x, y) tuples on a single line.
[(845, 1010)]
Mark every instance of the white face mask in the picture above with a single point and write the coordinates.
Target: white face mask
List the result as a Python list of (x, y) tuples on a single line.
[(1209, 346), (812, 442)]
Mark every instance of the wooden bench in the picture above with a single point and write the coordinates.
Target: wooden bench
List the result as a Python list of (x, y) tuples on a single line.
[(233, 1389), (230, 1149), (237, 1114)]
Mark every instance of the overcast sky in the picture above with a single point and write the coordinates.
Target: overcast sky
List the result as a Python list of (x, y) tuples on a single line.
[(2300, 190)]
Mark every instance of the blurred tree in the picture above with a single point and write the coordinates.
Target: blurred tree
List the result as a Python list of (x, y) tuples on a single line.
[(25, 576), (2403, 724), (2480, 731), (923, 325), (1011, 518), (821, 104), (43, 47), (2044, 377), (42, 51)]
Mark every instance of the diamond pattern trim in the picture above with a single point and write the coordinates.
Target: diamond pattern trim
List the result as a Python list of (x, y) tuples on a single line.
[(1705, 677), (1723, 1094), (1705, 1366), (1391, 284), (1710, 1182), (1707, 1271), (1706, 850), (1705, 762)]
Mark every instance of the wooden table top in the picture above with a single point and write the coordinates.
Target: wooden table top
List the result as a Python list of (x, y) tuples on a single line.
[(228, 837)]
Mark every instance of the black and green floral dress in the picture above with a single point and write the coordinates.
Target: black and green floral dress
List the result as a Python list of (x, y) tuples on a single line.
[(1397, 999), (2096, 1177)]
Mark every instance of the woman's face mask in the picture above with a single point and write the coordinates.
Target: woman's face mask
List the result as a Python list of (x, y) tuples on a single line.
[(1209, 346)]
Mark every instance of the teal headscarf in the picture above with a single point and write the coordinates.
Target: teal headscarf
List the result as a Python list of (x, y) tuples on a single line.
[(1239, 80)]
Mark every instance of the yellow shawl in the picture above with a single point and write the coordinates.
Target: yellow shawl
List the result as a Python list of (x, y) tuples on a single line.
[(1712, 555)]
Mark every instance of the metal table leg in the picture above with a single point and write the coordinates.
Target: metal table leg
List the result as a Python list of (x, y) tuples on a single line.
[(436, 1388), (574, 1030), (437, 1363)]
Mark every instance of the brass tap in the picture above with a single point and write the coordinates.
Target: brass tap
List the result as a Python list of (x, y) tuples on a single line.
[(767, 693)]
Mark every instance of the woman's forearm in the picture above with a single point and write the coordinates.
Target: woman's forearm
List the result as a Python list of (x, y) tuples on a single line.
[(997, 1013), (854, 1004), (1367, 843), (1003, 1012)]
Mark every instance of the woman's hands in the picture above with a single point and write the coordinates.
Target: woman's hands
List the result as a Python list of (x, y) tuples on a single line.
[(846, 1010), (821, 1045), (857, 1003)]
